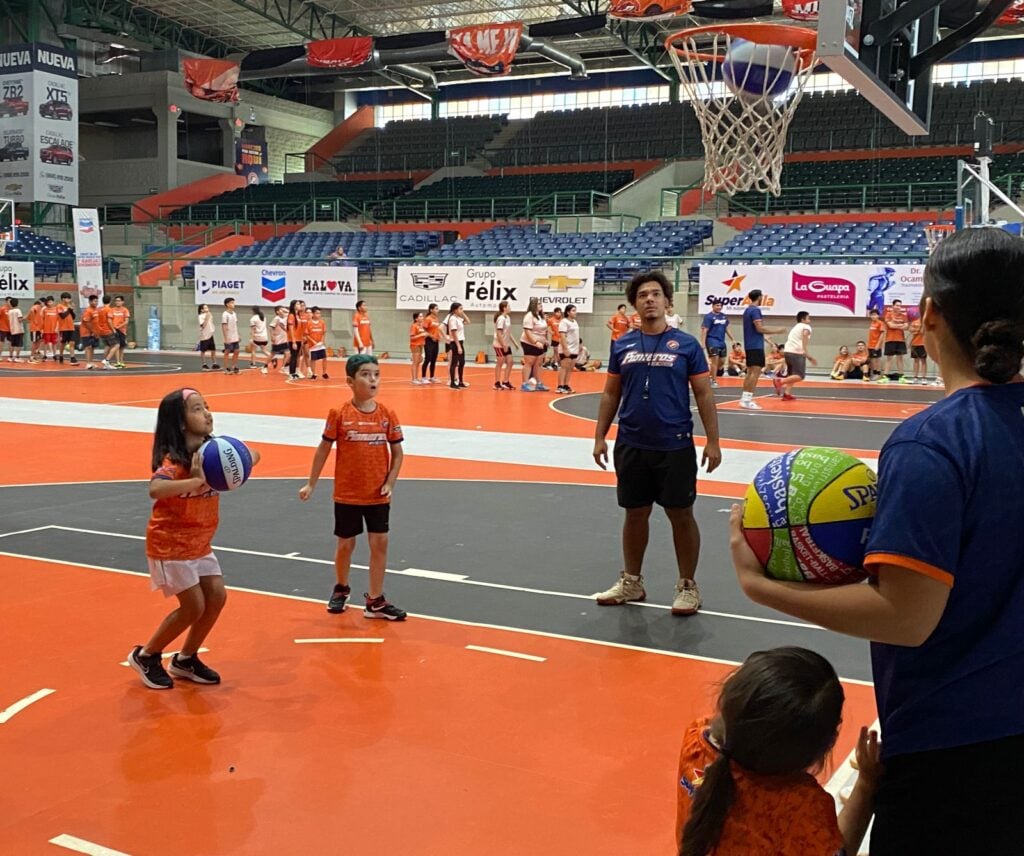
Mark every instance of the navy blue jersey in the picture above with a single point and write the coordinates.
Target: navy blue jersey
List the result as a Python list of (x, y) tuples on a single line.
[(715, 323), (662, 364), (752, 340), (950, 499)]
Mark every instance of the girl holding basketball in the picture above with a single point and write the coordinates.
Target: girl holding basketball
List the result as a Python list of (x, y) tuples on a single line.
[(745, 779), (944, 611), (178, 542)]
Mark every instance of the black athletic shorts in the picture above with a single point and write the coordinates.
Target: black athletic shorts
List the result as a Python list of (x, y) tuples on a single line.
[(348, 519), (895, 349), (755, 357), (17, 340), (978, 814), (874, 353), (918, 352), (4, 336), (88, 342), (67, 336), (531, 350), (231, 347), (207, 345), (280, 348), (647, 477), (715, 351), (122, 339), (318, 354)]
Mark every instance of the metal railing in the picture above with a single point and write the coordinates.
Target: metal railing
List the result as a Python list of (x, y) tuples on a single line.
[(672, 146)]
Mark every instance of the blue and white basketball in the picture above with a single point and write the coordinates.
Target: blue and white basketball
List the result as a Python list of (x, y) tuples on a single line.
[(753, 71), (227, 463)]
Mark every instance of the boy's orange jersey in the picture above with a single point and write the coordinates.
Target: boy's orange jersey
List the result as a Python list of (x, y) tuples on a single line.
[(916, 334), (103, 327), (363, 454), (89, 318), (619, 326), (895, 334), (35, 318), (5, 321), (67, 320), (362, 324), (770, 816), (315, 331), (182, 527), (51, 320), (553, 327), (119, 316), (875, 333)]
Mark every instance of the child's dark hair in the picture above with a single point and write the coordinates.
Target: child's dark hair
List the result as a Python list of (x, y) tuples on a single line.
[(801, 317), (754, 296), (643, 279), (65, 295), (228, 301), (977, 285), (501, 310), (779, 715), (258, 313), (169, 436)]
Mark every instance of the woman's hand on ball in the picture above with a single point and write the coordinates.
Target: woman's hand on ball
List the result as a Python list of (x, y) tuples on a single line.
[(749, 570)]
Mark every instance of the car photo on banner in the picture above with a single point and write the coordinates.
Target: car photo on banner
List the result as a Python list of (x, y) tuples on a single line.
[(57, 155), (13, 106), (56, 110), (13, 151)]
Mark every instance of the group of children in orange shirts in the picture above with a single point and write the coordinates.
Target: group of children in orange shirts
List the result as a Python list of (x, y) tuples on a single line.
[(50, 328)]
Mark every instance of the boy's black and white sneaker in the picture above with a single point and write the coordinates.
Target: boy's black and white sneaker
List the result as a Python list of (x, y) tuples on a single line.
[(193, 669), (379, 608), (150, 669), (339, 598)]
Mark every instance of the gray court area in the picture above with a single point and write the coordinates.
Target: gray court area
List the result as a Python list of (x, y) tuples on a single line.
[(797, 429), (138, 363), (558, 542)]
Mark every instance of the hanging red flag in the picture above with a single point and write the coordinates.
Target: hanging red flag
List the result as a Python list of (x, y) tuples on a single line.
[(212, 79), (486, 48), (800, 10), (1014, 14), (340, 53)]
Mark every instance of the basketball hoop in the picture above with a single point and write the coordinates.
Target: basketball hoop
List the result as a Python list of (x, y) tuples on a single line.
[(744, 108), (936, 232)]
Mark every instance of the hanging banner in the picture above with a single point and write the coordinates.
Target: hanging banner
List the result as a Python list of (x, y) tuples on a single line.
[(251, 161), (823, 290), (212, 79), (88, 254), (18, 279), (800, 10), (483, 288), (340, 53), (38, 130), (486, 48), (326, 286)]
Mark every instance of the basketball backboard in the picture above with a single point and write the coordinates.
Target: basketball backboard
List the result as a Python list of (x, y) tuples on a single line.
[(886, 50), (8, 224)]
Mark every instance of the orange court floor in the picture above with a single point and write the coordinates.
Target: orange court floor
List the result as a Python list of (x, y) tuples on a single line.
[(333, 734)]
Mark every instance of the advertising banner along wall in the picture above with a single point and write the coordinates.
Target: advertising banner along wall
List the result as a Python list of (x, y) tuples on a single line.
[(837, 291), (18, 279), (329, 287), (484, 287), (38, 124), (88, 254)]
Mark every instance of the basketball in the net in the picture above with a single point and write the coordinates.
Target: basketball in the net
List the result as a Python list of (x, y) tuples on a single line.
[(227, 463), (753, 71), (808, 513)]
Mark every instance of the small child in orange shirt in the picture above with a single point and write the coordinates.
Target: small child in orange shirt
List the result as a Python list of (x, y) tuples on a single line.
[(178, 542), (744, 786), (368, 459), (316, 334)]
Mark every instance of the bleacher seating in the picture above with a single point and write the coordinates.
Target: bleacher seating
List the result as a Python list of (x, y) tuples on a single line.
[(637, 132), (884, 242), (470, 196), (368, 250), (295, 201), (422, 144), (616, 255), (865, 184), (52, 258)]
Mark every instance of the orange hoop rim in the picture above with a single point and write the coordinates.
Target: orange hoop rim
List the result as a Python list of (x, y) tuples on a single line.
[(940, 227), (803, 40)]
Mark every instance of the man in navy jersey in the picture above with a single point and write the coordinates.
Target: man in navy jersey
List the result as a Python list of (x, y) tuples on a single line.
[(754, 332), (713, 330), (650, 374)]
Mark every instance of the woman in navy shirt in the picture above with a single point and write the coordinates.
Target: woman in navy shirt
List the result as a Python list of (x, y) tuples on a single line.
[(945, 607)]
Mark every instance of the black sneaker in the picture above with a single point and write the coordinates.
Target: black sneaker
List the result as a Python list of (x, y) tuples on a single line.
[(193, 669), (325, 376), (339, 598), (206, 368), (498, 386), (60, 359), (215, 366), (73, 361), (150, 669), (234, 370), (507, 385), (380, 608)]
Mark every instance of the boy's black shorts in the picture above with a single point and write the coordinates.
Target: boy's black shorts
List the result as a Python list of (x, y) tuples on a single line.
[(348, 519)]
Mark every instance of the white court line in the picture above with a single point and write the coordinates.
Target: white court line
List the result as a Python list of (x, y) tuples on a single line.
[(443, 576), (24, 531), (500, 651), (9, 713), (169, 654), (80, 845), (352, 639), (545, 634)]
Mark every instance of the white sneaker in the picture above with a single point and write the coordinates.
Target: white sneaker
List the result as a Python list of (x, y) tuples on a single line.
[(751, 405), (263, 370), (416, 382), (687, 599), (714, 384), (627, 588)]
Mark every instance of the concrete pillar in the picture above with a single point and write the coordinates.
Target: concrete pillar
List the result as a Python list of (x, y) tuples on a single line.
[(227, 140), (166, 146)]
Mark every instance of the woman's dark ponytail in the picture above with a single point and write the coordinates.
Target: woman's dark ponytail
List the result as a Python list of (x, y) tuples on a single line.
[(710, 809), (999, 350)]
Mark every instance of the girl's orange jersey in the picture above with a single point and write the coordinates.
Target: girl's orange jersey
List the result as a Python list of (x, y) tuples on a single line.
[(417, 335), (182, 527), (433, 327), (294, 328)]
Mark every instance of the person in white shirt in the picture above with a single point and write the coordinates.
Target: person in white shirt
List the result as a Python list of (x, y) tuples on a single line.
[(503, 344), (672, 319), (795, 351), (535, 342), (229, 328), (258, 337), (206, 343), (583, 361), (568, 348), (455, 330), (279, 340), (17, 340)]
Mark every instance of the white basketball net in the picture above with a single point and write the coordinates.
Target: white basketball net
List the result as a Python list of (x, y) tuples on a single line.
[(936, 233), (744, 137)]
